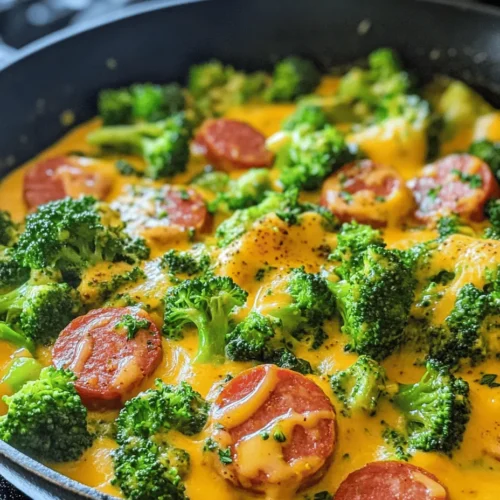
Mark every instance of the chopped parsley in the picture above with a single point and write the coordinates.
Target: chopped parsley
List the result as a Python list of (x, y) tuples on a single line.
[(489, 379), (475, 181), (133, 324), (434, 192)]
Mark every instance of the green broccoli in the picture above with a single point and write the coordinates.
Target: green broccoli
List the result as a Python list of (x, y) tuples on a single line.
[(384, 77), (493, 214), (105, 288), (436, 410), (164, 145), (461, 337), (161, 409), (452, 224), (489, 152), (12, 273), (306, 115), (352, 240), (374, 297), (150, 468), (259, 338), (133, 324), (144, 101), (206, 303), (17, 339), (40, 308), (194, 261), (71, 235), (127, 169), (215, 87), (285, 205), (360, 386), (212, 180), (249, 189), (19, 371), (46, 418), (292, 77), (311, 304), (310, 157)]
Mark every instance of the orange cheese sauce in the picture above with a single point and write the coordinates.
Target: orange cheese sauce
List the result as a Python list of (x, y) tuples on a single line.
[(474, 470)]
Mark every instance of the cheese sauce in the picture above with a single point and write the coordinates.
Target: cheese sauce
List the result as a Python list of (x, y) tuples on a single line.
[(474, 470)]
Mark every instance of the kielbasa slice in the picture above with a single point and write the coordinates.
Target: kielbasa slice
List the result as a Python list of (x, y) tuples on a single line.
[(55, 178), (278, 428), (391, 481), (106, 362), (367, 192), (163, 215), (457, 183), (231, 144)]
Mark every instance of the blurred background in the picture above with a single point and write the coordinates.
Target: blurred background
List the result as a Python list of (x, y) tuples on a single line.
[(23, 21)]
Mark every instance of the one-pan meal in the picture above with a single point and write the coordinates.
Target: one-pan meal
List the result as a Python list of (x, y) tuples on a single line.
[(277, 285)]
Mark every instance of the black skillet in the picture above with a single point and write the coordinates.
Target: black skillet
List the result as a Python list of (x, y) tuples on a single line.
[(158, 41)]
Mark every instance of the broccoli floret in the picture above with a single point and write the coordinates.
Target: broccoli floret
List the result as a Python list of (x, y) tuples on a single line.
[(285, 205), (115, 106), (306, 115), (436, 410), (164, 145), (493, 215), (19, 371), (489, 152), (452, 224), (249, 189), (159, 410), (105, 288), (206, 303), (212, 180), (192, 262), (12, 273), (150, 468), (18, 339), (460, 336), (292, 77), (40, 309), (311, 304), (374, 298), (383, 78), (360, 386), (144, 101), (259, 338), (8, 229), (352, 240), (46, 418), (71, 235), (310, 157), (215, 87), (460, 106)]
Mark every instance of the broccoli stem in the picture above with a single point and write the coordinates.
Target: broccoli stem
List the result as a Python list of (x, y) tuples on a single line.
[(211, 349), (18, 339), (19, 371)]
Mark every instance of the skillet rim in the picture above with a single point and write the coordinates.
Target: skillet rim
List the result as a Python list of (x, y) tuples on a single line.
[(16, 466)]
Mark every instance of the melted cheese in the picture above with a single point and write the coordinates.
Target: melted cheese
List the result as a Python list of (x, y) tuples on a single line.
[(474, 470)]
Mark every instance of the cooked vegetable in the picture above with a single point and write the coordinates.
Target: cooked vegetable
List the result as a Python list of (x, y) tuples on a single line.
[(46, 418)]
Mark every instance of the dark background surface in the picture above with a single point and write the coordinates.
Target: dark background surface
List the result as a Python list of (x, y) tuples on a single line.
[(24, 21)]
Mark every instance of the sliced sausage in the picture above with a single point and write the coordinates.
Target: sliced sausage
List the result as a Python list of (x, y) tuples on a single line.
[(106, 362), (278, 428), (391, 481), (231, 144), (458, 183), (367, 192), (61, 176), (163, 215)]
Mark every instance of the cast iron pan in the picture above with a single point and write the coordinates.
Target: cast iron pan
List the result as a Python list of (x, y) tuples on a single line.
[(158, 41)]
